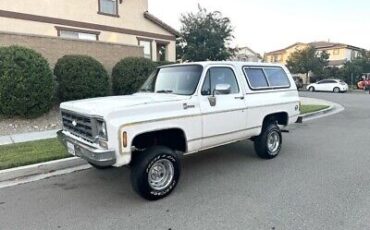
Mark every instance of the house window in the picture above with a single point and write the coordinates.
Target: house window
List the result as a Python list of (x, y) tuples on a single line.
[(147, 45), (336, 52), (77, 34), (108, 7)]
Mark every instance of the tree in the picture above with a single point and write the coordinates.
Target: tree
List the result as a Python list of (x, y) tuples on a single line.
[(205, 36), (307, 60), (352, 70)]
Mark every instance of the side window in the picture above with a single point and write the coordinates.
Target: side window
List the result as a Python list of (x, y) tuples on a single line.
[(256, 77), (219, 75), (277, 77)]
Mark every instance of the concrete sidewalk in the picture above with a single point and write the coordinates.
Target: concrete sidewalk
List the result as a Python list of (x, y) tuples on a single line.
[(25, 137)]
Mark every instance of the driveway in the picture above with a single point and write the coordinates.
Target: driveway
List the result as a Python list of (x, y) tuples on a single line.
[(321, 180)]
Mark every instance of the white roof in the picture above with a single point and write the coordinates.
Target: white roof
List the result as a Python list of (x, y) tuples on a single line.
[(233, 63)]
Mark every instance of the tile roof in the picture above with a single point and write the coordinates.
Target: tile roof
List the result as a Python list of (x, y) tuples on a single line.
[(317, 45)]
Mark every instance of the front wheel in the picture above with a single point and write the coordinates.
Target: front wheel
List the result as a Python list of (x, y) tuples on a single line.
[(268, 144), (311, 89), (155, 172), (336, 90)]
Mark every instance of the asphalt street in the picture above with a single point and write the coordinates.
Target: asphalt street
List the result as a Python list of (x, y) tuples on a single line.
[(321, 180)]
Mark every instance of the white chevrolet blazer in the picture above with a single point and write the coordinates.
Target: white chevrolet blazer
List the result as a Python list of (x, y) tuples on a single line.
[(182, 109)]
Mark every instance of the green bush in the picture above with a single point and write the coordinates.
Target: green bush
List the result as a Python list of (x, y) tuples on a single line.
[(130, 73), (26, 83), (80, 77)]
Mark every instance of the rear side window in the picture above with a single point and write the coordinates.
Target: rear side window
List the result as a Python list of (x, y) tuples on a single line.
[(277, 77), (256, 77), (266, 77)]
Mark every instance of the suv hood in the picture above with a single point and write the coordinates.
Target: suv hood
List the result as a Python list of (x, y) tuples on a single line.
[(102, 106)]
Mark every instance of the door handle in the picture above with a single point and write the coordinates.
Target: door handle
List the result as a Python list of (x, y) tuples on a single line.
[(240, 98)]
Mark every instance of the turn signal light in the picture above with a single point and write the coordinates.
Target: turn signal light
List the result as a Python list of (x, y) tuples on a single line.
[(124, 139)]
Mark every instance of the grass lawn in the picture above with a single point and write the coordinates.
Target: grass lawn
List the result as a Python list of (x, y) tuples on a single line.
[(15, 155), (312, 108)]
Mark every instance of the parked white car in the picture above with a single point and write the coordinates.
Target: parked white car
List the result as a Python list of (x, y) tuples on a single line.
[(330, 85), (182, 109)]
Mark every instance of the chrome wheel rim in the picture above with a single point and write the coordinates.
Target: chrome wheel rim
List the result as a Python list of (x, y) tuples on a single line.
[(161, 174), (273, 142)]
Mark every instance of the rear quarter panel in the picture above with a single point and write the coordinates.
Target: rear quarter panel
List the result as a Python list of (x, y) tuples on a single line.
[(261, 103)]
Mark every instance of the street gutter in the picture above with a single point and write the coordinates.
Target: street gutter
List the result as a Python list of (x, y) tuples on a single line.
[(25, 174)]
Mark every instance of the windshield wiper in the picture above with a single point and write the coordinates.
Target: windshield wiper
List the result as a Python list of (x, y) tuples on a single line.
[(164, 91), (144, 90)]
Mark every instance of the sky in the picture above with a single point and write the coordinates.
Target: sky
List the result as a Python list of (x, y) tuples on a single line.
[(268, 25)]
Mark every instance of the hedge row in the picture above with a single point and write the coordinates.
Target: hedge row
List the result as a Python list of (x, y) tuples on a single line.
[(27, 87)]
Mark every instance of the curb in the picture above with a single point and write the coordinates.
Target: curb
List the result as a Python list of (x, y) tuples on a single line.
[(45, 168), (318, 113)]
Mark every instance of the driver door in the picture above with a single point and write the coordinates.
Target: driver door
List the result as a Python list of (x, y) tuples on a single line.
[(223, 115)]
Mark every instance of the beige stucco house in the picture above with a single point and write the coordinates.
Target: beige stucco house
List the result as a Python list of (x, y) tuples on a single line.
[(125, 22), (246, 54), (339, 53)]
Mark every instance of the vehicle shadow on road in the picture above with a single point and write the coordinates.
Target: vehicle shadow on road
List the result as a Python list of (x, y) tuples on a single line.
[(196, 169)]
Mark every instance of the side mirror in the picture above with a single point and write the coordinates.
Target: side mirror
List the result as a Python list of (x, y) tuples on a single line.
[(222, 89), (219, 89)]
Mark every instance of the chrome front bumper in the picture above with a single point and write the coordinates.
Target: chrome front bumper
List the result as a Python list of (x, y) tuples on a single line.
[(100, 157)]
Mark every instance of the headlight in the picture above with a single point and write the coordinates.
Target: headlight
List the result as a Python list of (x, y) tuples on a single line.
[(102, 129)]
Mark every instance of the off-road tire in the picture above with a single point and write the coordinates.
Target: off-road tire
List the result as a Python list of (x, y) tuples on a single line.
[(261, 141), (140, 170)]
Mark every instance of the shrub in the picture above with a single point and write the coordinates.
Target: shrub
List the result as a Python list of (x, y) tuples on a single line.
[(80, 77), (26, 82), (130, 73)]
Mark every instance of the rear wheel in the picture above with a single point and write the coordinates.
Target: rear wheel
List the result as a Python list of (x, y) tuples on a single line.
[(155, 172), (311, 89), (268, 144), (336, 90)]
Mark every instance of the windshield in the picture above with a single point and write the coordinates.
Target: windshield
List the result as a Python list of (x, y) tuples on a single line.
[(181, 80)]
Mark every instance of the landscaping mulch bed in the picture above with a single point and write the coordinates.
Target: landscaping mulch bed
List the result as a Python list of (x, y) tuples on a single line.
[(48, 121)]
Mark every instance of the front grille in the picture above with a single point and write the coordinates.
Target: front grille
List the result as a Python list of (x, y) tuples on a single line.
[(78, 125)]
